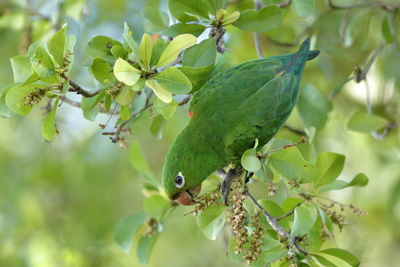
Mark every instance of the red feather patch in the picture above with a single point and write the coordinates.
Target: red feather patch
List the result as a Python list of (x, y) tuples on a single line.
[(190, 114)]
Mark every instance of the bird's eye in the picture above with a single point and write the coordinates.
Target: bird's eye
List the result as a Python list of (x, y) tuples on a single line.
[(179, 180)]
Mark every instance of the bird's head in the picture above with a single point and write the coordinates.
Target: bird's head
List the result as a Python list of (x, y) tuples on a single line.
[(188, 163), (179, 183)]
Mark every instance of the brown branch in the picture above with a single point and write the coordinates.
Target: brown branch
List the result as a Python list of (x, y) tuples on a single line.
[(74, 87), (218, 33), (294, 130), (77, 104), (120, 127)]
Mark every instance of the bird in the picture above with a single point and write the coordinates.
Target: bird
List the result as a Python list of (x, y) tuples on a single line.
[(248, 101)]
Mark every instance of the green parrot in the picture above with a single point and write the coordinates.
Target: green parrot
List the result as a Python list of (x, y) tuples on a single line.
[(247, 101)]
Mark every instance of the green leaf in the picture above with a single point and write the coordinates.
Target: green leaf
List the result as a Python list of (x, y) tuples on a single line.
[(90, 107), (21, 67), (16, 98), (126, 229), (131, 43), (145, 247), (49, 130), (313, 107), (365, 123), (359, 180), (250, 161), (304, 8), (269, 243), (271, 206), (230, 18), (139, 85), (264, 20), (342, 254), (125, 72), (274, 254), (290, 164), (167, 110), (125, 96), (156, 206), (178, 44), (137, 159), (329, 167), (200, 55), (139, 103), (102, 71), (42, 64), (118, 51), (56, 46), (181, 28), (211, 221), (158, 49), (174, 80), (197, 76), (145, 50), (304, 219), (124, 113), (324, 261), (388, 30), (100, 47), (214, 5), (4, 110), (157, 126), (160, 91), (181, 8)]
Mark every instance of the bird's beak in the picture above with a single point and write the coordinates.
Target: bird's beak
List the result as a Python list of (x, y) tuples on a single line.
[(186, 197)]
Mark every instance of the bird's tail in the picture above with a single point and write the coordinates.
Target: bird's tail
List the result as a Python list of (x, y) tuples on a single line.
[(298, 60)]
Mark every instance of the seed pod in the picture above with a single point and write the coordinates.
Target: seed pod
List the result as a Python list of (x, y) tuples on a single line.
[(236, 216), (256, 238)]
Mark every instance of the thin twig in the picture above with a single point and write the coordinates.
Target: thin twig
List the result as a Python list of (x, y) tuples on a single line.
[(302, 141), (375, 4), (284, 3), (271, 220), (120, 127), (294, 130), (74, 87), (78, 104), (256, 35), (287, 214)]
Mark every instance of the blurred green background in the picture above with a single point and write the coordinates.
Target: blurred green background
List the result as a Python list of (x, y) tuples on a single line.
[(60, 203)]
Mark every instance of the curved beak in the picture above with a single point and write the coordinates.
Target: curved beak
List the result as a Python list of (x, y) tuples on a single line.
[(186, 197)]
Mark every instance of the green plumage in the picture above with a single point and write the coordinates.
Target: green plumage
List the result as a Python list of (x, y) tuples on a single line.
[(248, 101)]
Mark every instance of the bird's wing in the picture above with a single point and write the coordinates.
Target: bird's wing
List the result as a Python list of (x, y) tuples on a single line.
[(228, 89), (261, 115)]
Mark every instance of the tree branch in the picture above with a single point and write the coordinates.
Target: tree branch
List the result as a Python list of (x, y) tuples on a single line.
[(294, 130), (120, 127), (302, 141), (277, 227), (74, 87), (78, 104), (256, 35), (375, 4)]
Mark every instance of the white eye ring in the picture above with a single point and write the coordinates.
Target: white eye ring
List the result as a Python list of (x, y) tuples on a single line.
[(179, 180)]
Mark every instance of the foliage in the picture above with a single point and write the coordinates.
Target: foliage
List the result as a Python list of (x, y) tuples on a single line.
[(160, 69)]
